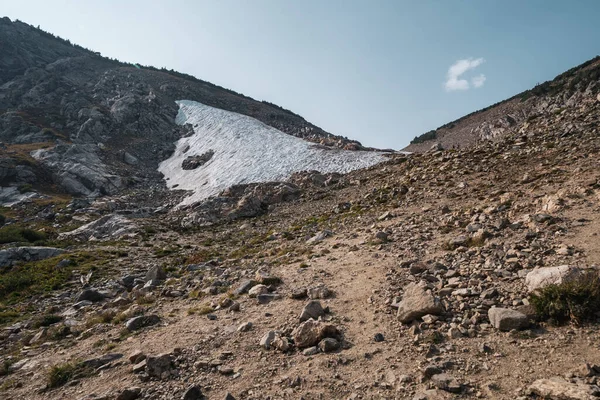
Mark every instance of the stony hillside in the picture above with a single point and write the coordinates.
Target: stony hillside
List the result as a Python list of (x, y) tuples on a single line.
[(566, 91), (74, 122), (457, 273)]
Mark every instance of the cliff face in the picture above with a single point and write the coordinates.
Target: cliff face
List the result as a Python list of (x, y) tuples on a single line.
[(566, 92), (98, 126)]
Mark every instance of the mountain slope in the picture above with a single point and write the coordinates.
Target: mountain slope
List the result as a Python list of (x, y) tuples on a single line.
[(100, 126), (568, 90)]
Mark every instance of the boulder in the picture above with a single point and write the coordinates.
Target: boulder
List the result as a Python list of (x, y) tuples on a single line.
[(560, 389), (137, 323), (193, 162), (155, 275), (541, 277), (90, 295), (109, 227), (416, 302), (258, 290), (311, 332), (26, 254), (159, 366), (506, 319)]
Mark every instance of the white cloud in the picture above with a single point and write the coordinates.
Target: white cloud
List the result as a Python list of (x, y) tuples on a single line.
[(478, 81), (454, 80)]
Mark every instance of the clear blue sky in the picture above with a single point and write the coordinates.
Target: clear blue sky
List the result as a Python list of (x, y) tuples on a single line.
[(376, 71)]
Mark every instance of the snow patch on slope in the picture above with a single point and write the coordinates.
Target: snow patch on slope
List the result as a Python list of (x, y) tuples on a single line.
[(246, 151)]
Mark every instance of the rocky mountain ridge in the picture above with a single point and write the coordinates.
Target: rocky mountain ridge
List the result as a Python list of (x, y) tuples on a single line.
[(568, 90), (100, 126)]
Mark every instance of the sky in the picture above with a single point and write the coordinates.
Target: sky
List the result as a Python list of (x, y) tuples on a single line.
[(377, 71)]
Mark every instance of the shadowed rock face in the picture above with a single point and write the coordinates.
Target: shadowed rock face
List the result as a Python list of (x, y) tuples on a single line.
[(76, 114)]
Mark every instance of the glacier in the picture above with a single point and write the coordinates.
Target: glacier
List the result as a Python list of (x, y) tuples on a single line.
[(246, 151)]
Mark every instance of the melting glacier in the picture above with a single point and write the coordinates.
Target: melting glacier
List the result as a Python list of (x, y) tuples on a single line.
[(246, 151)]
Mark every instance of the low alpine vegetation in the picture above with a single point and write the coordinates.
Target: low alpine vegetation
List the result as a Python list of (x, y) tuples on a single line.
[(576, 301)]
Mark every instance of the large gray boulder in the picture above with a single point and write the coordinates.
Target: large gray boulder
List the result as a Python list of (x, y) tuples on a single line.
[(417, 302), (541, 277), (25, 254), (506, 319), (109, 227)]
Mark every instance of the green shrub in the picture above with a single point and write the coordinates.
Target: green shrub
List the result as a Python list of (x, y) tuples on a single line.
[(8, 316), (431, 135), (60, 374), (12, 233), (47, 320), (575, 301), (5, 366), (25, 188)]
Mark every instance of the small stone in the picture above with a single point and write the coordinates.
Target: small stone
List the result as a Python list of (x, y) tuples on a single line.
[(193, 393), (328, 344), (244, 287), (541, 277), (447, 383), (312, 309), (318, 292), (131, 393), (298, 294), (257, 290), (454, 333), (139, 367), (140, 322), (136, 357), (311, 351), (485, 348), (245, 327), (379, 337), (266, 279), (558, 388), (266, 298), (267, 340), (382, 236)]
